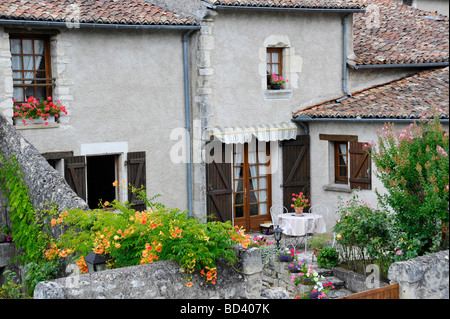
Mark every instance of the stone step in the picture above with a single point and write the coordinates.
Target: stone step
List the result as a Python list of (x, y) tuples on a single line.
[(337, 283), (339, 293)]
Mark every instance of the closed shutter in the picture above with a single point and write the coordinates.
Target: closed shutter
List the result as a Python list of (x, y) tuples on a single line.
[(360, 166), (219, 189), (75, 174), (296, 169), (136, 177)]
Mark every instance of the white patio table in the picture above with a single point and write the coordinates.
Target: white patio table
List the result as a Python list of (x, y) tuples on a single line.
[(301, 225)]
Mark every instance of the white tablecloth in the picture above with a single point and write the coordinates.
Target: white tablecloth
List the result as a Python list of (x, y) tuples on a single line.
[(294, 225)]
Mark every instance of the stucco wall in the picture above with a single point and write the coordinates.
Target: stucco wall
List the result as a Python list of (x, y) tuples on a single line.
[(312, 64), (120, 87)]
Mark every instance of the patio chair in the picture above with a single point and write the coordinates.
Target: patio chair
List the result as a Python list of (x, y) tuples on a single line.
[(275, 210)]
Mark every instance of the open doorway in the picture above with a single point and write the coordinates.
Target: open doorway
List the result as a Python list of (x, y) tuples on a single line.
[(101, 173)]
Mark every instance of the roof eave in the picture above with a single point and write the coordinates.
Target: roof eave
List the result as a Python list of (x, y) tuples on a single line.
[(398, 65), (58, 24), (283, 9), (306, 119)]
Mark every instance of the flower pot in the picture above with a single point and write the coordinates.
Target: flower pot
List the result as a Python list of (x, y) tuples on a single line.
[(299, 210), (50, 119), (275, 86)]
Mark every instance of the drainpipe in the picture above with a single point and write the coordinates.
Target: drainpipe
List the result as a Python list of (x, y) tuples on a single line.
[(187, 104), (344, 60)]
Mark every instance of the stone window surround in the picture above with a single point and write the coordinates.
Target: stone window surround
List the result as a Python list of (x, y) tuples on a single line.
[(291, 65), (59, 61)]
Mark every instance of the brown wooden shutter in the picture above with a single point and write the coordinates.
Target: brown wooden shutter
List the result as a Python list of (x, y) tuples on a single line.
[(136, 177), (360, 166), (75, 174), (296, 169), (219, 189)]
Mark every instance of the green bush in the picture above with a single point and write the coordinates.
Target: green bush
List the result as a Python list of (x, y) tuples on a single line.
[(328, 257)]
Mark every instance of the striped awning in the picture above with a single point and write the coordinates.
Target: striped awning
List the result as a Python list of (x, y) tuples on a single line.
[(263, 132)]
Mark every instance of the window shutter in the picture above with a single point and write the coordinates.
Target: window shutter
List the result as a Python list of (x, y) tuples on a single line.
[(219, 189), (136, 177), (75, 174), (360, 167), (296, 169)]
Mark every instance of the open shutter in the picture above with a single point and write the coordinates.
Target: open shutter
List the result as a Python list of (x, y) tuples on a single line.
[(360, 166), (296, 169), (136, 177), (75, 174), (219, 189)]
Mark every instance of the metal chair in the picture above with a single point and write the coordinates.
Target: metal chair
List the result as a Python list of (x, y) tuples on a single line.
[(275, 210)]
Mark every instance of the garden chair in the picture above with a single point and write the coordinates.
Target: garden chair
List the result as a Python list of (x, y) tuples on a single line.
[(275, 210)]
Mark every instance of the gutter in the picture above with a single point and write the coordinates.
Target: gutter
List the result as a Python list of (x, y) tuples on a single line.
[(399, 65), (344, 60), (187, 104), (281, 9), (75, 25)]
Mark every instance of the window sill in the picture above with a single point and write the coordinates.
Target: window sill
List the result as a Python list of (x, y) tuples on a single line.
[(278, 94), (36, 126), (337, 188)]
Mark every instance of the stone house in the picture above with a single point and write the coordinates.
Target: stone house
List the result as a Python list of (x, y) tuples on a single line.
[(118, 67), (195, 75)]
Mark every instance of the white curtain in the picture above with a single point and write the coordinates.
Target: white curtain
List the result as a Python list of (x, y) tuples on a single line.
[(31, 61)]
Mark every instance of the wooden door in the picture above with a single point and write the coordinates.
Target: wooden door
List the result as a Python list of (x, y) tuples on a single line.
[(252, 194), (75, 174), (136, 177), (296, 169), (219, 188)]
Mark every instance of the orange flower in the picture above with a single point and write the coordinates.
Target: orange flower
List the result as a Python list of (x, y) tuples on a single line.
[(189, 284)]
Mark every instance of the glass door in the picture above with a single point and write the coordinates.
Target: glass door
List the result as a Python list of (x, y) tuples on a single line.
[(251, 184)]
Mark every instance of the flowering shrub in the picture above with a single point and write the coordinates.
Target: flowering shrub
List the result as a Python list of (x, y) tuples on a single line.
[(132, 238), (413, 165), (287, 255), (362, 231), (259, 241), (36, 109), (306, 275), (7, 232), (300, 200)]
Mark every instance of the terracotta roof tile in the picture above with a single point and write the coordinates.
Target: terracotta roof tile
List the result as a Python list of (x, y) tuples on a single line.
[(392, 33), (318, 4), (409, 97), (134, 12)]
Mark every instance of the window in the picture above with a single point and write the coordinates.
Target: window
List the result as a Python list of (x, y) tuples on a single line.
[(274, 60), (350, 162), (341, 162), (30, 57)]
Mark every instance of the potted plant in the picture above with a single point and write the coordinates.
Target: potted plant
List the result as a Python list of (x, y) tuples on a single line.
[(37, 111), (300, 202), (276, 81)]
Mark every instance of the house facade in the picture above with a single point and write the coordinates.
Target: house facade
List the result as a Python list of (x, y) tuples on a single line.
[(119, 70), (177, 95)]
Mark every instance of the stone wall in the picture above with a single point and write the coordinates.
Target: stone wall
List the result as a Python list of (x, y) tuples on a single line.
[(45, 184), (424, 277), (162, 279)]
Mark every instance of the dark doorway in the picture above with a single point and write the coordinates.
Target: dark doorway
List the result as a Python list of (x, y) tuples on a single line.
[(100, 177)]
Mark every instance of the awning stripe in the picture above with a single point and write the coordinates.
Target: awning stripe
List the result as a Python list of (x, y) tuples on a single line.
[(265, 132)]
